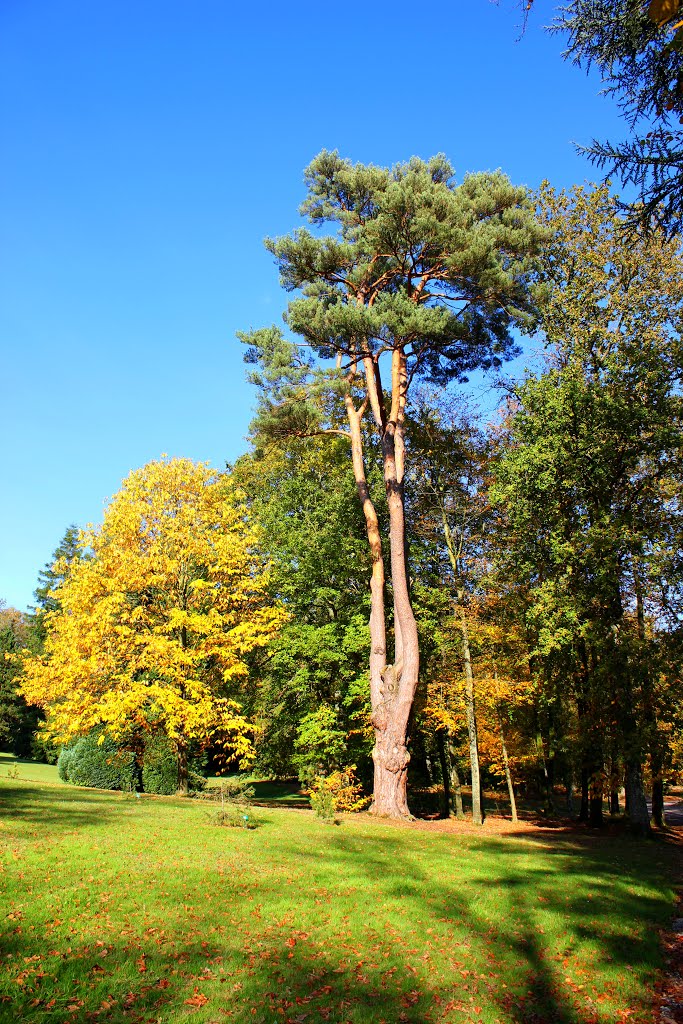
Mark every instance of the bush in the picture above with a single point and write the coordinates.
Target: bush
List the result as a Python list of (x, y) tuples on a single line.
[(43, 749), (159, 767), (233, 797), (100, 765), (340, 791), (64, 762)]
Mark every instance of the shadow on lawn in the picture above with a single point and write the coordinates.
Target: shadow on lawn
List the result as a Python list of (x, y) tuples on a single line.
[(291, 976)]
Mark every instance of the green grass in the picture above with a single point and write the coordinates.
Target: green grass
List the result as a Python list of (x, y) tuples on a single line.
[(286, 794), (28, 771), (116, 909)]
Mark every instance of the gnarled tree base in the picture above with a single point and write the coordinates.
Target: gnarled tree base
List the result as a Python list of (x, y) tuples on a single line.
[(390, 797)]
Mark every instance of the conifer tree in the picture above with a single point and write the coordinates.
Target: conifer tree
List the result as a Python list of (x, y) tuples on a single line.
[(422, 278)]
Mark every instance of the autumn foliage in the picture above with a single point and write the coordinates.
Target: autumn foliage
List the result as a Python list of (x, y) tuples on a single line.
[(154, 629)]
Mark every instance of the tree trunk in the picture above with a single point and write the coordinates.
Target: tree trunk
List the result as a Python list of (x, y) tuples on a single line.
[(547, 783), (638, 816), (445, 773), (657, 784), (456, 785), (570, 796), (183, 769), (658, 815), (583, 810), (508, 776), (595, 818), (470, 712), (392, 687), (614, 807)]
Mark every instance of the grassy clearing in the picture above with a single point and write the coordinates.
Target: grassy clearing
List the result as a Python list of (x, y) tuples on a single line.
[(116, 909), (287, 794), (28, 771)]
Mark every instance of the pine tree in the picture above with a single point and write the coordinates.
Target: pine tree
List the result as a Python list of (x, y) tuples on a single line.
[(423, 278)]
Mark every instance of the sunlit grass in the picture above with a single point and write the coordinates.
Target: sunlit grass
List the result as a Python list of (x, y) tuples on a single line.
[(117, 909)]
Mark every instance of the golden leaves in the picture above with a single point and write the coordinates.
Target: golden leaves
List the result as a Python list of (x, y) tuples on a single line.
[(172, 601)]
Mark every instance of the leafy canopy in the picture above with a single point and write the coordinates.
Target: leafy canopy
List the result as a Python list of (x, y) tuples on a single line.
[(155, 627)]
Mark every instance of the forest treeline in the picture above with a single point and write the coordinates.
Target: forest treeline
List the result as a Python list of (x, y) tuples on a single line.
[(502, 606)]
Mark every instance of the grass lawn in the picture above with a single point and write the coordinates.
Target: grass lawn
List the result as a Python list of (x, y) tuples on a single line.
[(31, 771), (116, 909)]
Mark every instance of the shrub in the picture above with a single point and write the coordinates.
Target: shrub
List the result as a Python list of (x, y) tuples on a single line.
[(43, 749), (99, 763), (64, 762), (233, 797), (159, 767), (340, 791)]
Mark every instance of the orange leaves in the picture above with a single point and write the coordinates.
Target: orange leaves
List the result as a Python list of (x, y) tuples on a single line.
[(196, 1000)]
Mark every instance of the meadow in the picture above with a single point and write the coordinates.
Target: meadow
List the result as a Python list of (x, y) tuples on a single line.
[(122, 909)]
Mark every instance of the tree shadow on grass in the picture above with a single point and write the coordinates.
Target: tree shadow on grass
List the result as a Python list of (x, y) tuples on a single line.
[(348, 941)]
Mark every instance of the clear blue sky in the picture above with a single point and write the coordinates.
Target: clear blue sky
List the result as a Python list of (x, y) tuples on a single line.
[(149, 147)]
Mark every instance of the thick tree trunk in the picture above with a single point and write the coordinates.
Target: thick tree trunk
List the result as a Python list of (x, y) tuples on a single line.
[(392, 687), (445, 772), (183, 769), (399, 681), (638, 816), (508, 776)]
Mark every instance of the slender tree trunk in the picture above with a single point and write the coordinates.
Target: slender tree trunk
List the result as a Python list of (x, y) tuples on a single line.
[(614, 807), (470, 713), (570, 795), (508, 776), (658, 815), (547, 783), (583, 810), (657, 785), (595, 816), (445, 772), (456, 784)]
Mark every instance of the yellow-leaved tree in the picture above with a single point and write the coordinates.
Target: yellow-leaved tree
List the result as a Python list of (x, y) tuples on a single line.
[(153, 630)]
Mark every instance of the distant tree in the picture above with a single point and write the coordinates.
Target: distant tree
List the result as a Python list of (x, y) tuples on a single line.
[(50, 577), (18, 720), (152, 631), (427, 277), (589, 478)]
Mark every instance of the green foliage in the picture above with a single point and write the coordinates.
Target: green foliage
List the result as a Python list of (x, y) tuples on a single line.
[(320, 744), (52, 576), (637, 48), (303, 495), (18, 720), (99, 765), (159, 766), (323, 803)]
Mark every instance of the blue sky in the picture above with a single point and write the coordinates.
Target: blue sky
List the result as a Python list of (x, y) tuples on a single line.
[(149, 147)]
